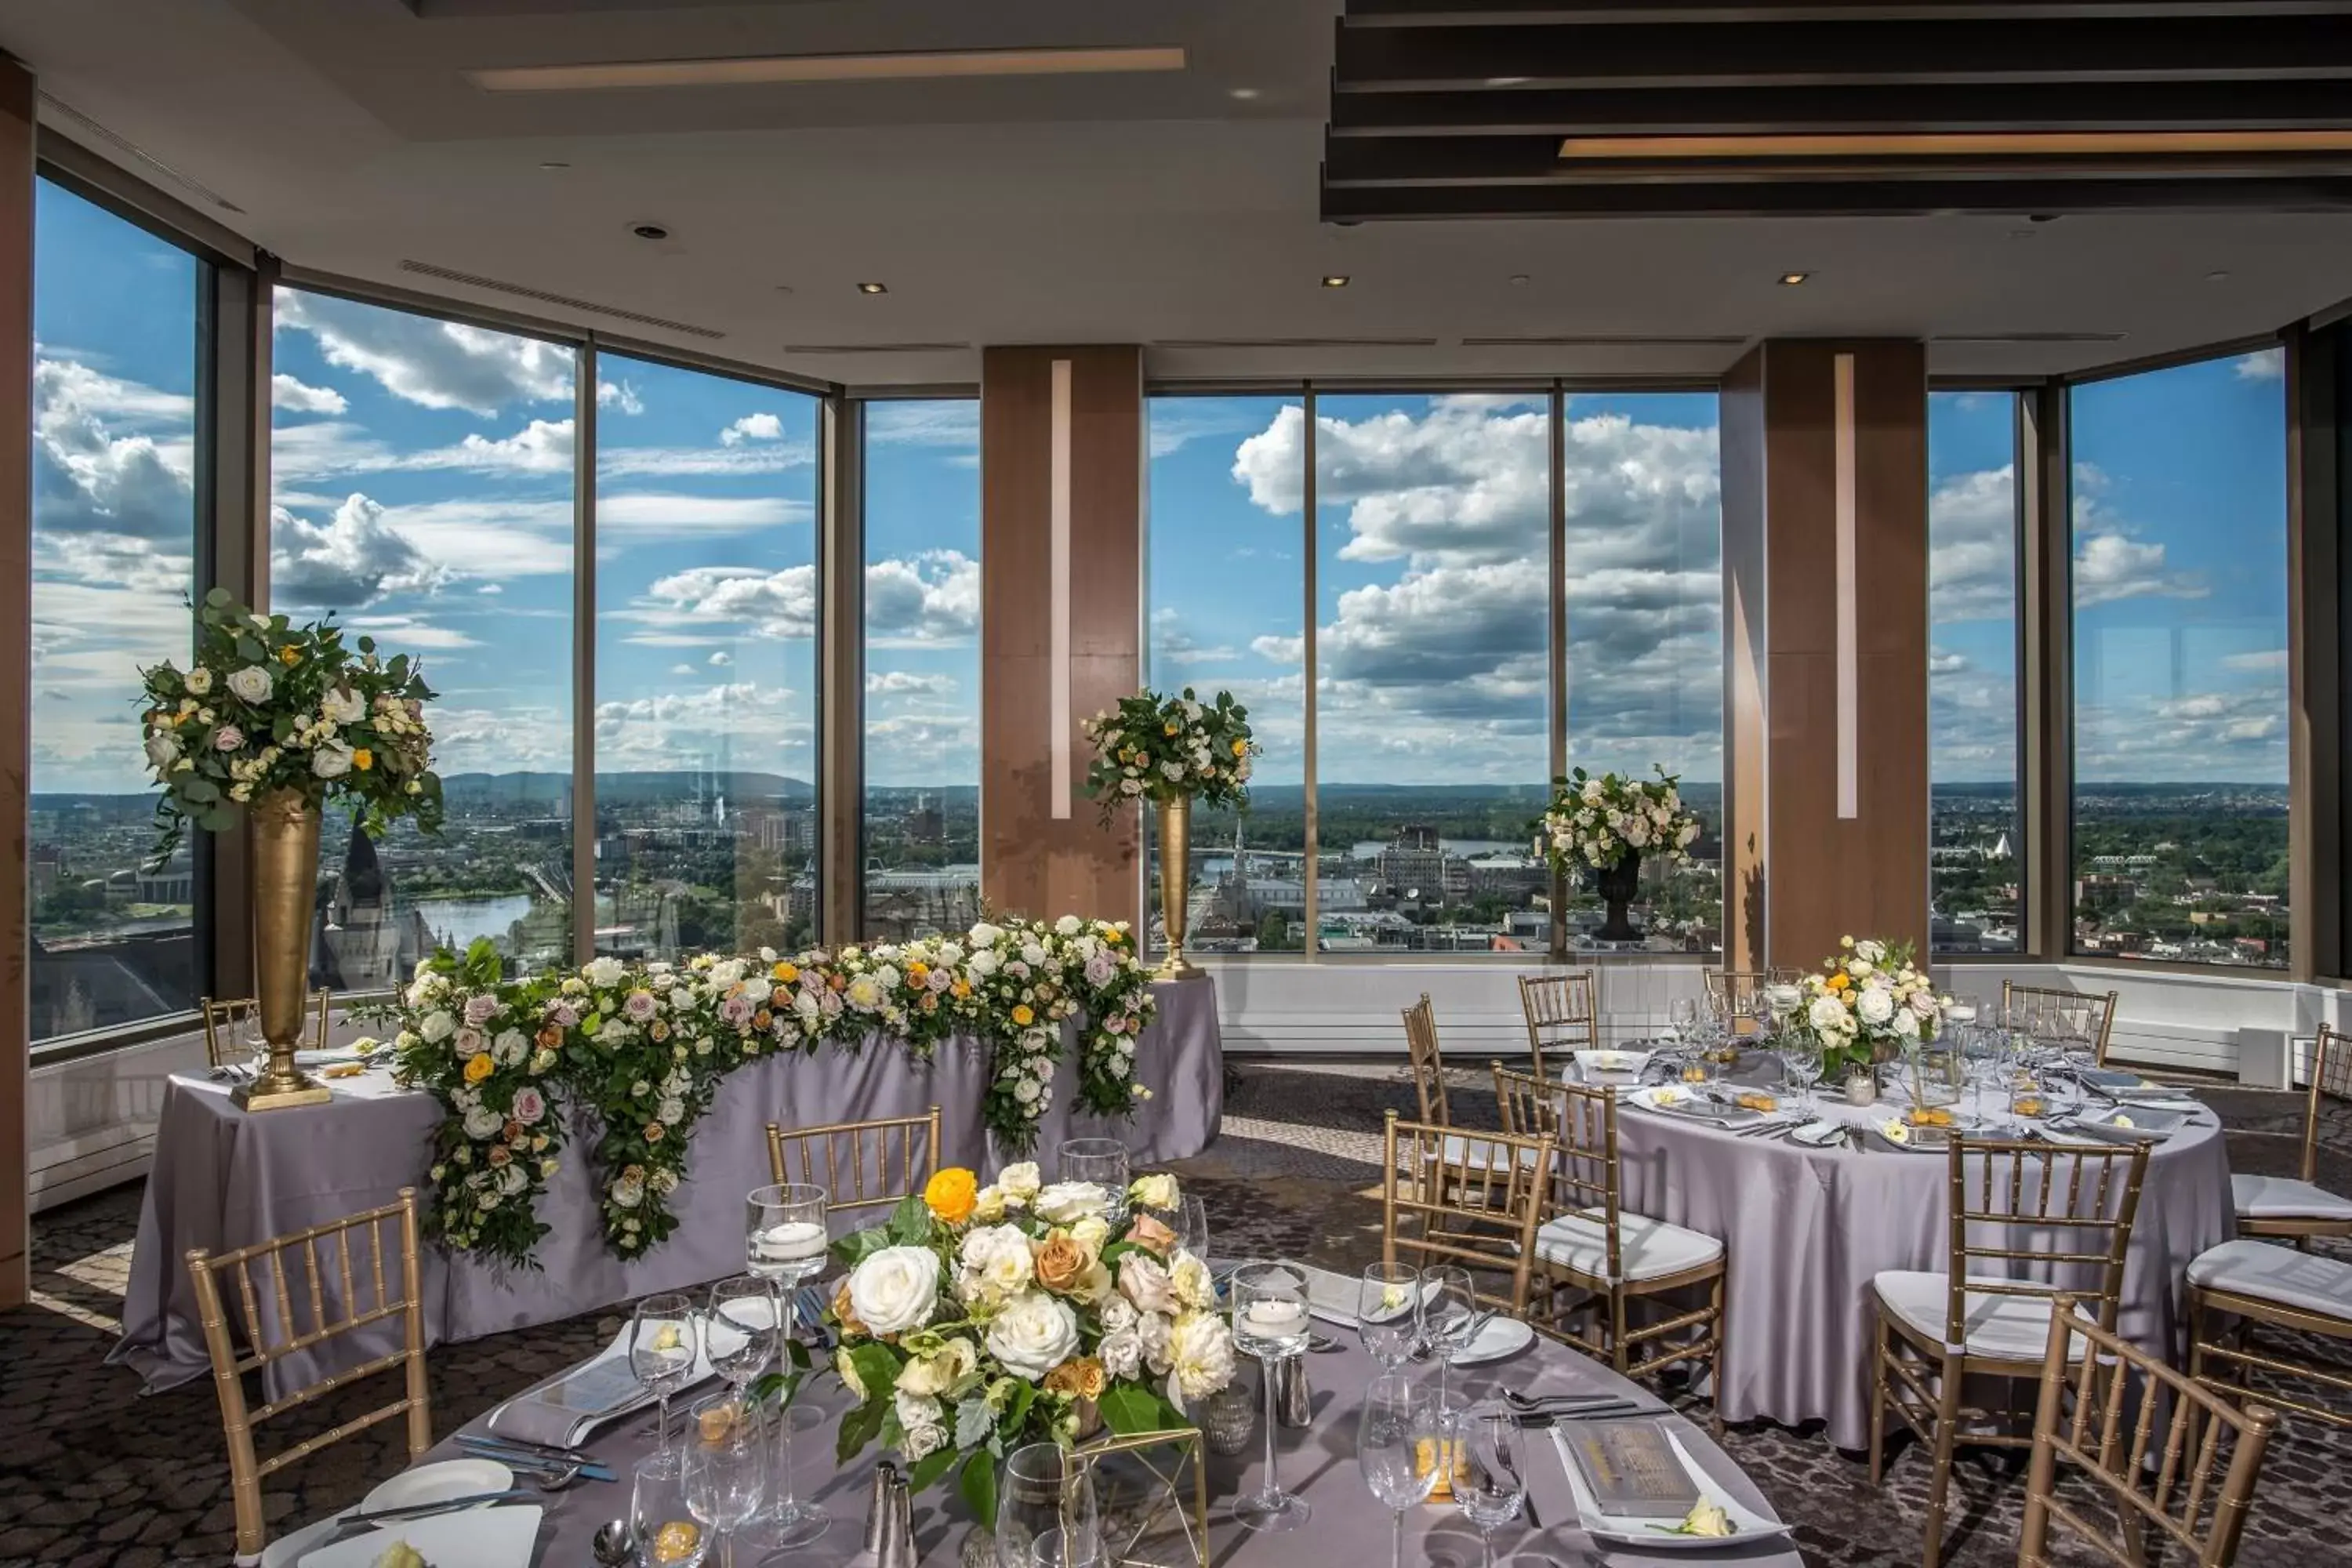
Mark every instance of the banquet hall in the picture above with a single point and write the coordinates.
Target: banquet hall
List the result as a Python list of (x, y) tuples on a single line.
[(1496, 781)]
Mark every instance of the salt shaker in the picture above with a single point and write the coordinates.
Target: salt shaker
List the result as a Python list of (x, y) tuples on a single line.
[(877, 1504), (897, 1547), (1294, 1401)]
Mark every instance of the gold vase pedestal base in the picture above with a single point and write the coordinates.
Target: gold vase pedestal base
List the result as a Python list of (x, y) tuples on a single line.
[(281, 1085), (1176, 966)]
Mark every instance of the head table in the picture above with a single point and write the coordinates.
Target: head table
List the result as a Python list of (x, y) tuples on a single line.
[(223, 1178), (1349, 1527), (1807, 1228)]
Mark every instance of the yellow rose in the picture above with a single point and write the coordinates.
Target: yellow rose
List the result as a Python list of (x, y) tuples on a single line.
[(289, 655), (953, 1193), (1241, 748), (363, 759), (1022, 1016), (478, 1067), (786, 970)]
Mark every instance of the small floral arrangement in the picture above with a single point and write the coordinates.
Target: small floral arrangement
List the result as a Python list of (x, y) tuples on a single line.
[(268, 706), (1865, 1004), (1166, 749), (981, 1318), (1596, 823)]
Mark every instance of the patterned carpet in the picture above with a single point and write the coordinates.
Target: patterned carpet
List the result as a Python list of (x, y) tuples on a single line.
[(92, 1473)]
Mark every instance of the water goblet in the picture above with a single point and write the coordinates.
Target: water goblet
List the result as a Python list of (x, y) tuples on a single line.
[(1103, 1162), (1801, 1059), (1269, 1306), (786, 1238), (665, 1341), (1047, 1491), (1489, 1470), (1065, 1549), (1682, 1016), (1190, 1220), (1449, 1313), (1393, 1432), (1388, 1312), (743, 1329), (660, 1520), (724, 1460)]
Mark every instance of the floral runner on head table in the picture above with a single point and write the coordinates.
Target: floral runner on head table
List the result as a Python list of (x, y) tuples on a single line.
[(643, 1047)]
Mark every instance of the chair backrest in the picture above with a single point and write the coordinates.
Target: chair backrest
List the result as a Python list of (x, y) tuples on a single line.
[(224, 1019), (1468, 1189), (2187, 1489), (1562, 1010), (2101, 1008), (1428, 1063), (860, 1164), (2066, 1209), (337, 1278), (1739, 992), (2331, 1075)]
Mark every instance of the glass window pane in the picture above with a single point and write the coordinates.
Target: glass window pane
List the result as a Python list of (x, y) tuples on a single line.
[(1978, 833), (1432, 746), (1644, 573), (1227, 589), (114, 408), (921, 825), (2180, 695), (421, 490), (706, 664)]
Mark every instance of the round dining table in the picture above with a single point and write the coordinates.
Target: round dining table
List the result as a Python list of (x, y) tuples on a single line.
[(1318, 1461), (1807, 1228)]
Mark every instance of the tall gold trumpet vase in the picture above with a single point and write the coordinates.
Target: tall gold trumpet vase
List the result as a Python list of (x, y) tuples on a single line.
[(285, 835), (1175, 887)]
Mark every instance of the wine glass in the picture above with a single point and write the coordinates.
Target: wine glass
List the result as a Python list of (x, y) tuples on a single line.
[(1801, 1059), (659, 1518), (1981, 1050), (1190, 1220), (1269, 1305), (1449, 1313), (1683, 1021), (1393, 1433), (743, 1329), (725, 1455), (1489, 1470), (1047, 1491), (1388, 1312), (1065, 1549), (1103, 1162), (665, 1341), (254, 1039), (786, 1522), (786, 1238)]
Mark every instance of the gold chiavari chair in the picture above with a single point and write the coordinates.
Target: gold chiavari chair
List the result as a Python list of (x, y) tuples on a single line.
[(1563, 1011), (2102, 1009), (1461, 1187), (1427, 1062), (1936, 1330), (860, 1164), (226, 1020), (1597, 1259), (2175, 1489), (327, 1289), (2301, 1209), (1739, 993), (2261, 1284)]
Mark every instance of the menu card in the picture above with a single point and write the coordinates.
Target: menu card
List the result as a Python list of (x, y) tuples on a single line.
[(1630, 1469)]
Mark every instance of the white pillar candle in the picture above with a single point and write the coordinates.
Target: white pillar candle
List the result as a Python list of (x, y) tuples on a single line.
[(790, 1242), (1273, 1318)]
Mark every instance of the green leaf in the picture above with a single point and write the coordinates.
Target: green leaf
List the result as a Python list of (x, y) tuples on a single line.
[(877, 1368), (218, 598), (978, 1485), (798, 1353), (911, 1222), (201, 790), (859, 1427), (250, 650), (930, 1468), (1128, 1408), (218, 819)]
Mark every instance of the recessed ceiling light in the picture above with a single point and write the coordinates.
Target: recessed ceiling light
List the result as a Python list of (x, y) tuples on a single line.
[(1790, 280), (1518, 279), (1246, 94), (649, 231), (767, 69), (1335, 281), (783, 288), (2217, 277), (555, 163), (873, 288)]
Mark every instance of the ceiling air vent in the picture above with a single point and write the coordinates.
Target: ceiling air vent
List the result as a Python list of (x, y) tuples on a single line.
[(474, 280), (876, 347), (1605, 340), (130, 148), (2027, 338), (1294, 343)]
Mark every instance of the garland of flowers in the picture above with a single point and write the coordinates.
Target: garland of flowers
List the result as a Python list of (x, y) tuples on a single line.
[(639, 1051)]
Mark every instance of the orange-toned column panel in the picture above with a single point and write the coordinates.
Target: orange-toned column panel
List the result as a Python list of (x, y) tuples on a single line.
[(1062, 476)]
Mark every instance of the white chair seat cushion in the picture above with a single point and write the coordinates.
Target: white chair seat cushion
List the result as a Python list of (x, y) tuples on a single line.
[(1461, 1152), (2302, 1280), (1999, 1325), (2283, 1197), (1646, 1249)]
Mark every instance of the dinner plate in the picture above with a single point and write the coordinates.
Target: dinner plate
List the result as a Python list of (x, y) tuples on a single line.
[(1651, 1534), (1594, 1067), (1819, 1134), (1499, 1338), (2131, 1124), (1332, 1296), (500, 1537), (1674, 1100), (437, 1482)]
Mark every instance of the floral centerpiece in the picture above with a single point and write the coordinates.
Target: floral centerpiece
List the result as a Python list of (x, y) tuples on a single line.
[(1172, 752), (1867, 1004), (981, 1318), (1604, 825)]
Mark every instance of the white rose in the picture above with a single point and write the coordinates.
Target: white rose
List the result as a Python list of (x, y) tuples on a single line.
[(1190, 1281), (1066, 1202), (437, 1027), (993, 1262), (984, 965), (1143, 1280), (1876, 1005), (933, 1376), (1019, 1184), (343, 707), (988, 1206), (895, 1289), (1827, 1013), (1122, 1353), (1034, 1334), (985, 935), (1199, 1357), (1157, 1191), (1907, 1025), (200, 681), (331, 761), (252, 684), (483, 1122), (162, 751), (1870, 952), (605, 971)]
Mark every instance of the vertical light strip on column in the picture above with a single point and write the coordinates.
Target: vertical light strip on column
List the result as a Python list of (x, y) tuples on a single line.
[(1849, 680), (1058, 656)]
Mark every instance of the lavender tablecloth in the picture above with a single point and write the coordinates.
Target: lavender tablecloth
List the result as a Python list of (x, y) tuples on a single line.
[(1807, 1229), (221, 1180)]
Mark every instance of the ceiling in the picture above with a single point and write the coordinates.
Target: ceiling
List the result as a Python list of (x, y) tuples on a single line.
[(1181, 210)]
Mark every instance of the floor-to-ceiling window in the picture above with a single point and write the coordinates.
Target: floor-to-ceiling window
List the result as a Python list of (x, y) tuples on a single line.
[(421, 491), (2180, 651), (114, 545), (1976, 850), (706, 669), (922, 829)]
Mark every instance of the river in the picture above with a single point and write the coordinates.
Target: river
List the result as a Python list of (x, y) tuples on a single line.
[(458, 921)]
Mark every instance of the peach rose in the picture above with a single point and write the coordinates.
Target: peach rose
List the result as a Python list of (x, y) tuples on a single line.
[(1081, 1377), (1061, 1263), (1148, 1232)]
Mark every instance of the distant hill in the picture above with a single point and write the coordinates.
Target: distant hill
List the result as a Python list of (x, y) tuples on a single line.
[(657, 787)]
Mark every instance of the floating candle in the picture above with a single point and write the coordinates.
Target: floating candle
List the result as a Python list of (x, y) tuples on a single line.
[(1273, 1317), (792, 1242)]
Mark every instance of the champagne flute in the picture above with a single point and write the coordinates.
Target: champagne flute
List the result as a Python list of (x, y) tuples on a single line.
[(1489, 1470), (665, 1341), (1269, 1306), (1391, 1434), (1388, 1312), (743, 1329), (724, 1457), (1449, 1313)]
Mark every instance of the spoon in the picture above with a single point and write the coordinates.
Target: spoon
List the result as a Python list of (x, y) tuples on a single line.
[(615, 1546), (553, 1475)]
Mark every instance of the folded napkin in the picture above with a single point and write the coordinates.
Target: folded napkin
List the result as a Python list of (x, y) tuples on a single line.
[(569, 1408)]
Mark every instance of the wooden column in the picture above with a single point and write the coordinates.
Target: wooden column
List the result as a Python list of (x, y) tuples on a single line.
[(1824, 457), (15, 661), (1061, 433)]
